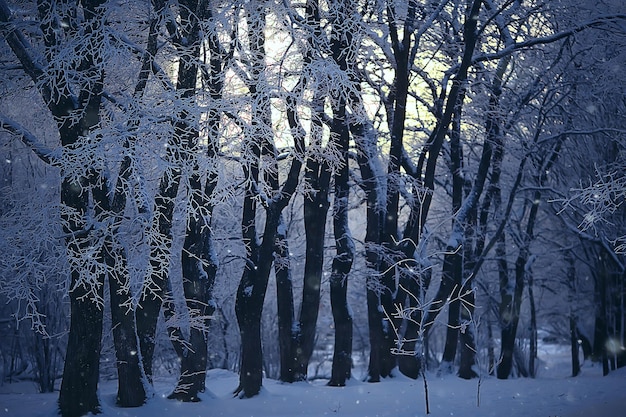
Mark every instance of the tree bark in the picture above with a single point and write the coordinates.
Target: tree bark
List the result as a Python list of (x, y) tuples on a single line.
[(259, 256), (199, 267), (185, 137), (468, 337), (381, 361), (316, 204), (285, 304), (341, 41), (532, 351)]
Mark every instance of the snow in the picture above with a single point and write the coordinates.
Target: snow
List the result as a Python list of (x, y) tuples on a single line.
[(589, 394)]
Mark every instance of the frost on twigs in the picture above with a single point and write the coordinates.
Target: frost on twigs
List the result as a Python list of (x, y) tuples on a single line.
[(599, 202), (33, 266)]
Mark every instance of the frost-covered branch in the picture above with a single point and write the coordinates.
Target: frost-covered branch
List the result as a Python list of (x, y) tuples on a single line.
[(44, 153)]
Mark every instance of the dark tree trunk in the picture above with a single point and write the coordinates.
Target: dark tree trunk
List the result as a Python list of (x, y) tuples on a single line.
[(132, 383), (532, 353), (149, 307), (573, 337), (316, 207), (248, 317), (511, 301), (452, 276), (468, 337), (259, 257), (458, 182), (509, 317), (285, 304), (74, 115), (249, 306), (78, 395), (254, 280), (342, 356), (389, 234), (342, 263), (199, 262), (317, 178), (381, 360), (601, 334), (185, 136), (419, 212), (491, 355), (131, 390), (249, 303), (199, 268)]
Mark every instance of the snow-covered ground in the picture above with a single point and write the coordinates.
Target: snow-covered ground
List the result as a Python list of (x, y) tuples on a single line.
[(553, 393)]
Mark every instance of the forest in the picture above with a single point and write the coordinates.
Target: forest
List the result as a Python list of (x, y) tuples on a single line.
[(290, 190)]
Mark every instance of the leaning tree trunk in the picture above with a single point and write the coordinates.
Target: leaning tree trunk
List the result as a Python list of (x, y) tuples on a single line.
[(419, 212), (511, 300), (250, 298)]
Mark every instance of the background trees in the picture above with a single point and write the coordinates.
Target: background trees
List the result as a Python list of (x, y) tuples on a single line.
[(463, 146)]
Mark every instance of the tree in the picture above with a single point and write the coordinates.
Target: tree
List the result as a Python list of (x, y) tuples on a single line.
[(261, 181)]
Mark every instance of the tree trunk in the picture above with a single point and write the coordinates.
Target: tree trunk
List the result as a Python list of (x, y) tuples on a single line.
[(532, 353), (491, 356), (258, 147), (185, 138), (249, 306), (131, 390), (284, 300), (317, 177), (511, 300), (251, 369), (198, 258), (452, 271), (468, 337), (315, 211), (342, 263), (78, 394), (510, 307), (199, 267), (458, 182), (380, 358), (601, 335), (573, 337), (419, 212), (342, 356)]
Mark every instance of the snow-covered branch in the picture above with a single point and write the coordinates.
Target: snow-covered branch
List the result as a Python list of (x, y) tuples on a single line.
[(30, 140)]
